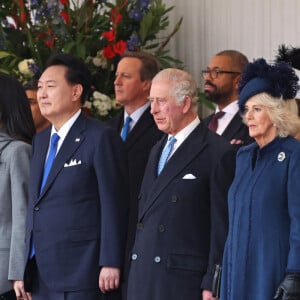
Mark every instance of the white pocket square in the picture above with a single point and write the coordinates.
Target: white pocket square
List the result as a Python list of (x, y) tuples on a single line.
[(189, 176), (73, 162)]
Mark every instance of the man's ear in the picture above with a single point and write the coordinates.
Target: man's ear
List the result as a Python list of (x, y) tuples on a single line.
[(77, 92), (147, 84), (236, 81), (187, 103)]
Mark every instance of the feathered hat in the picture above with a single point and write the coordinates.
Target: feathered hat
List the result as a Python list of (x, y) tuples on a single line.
[(290, 55), (278, 80)]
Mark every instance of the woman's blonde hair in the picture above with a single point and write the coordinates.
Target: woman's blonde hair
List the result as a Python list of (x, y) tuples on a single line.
[(283, 113)]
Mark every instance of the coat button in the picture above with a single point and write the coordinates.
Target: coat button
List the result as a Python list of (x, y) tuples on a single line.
[(140, 226), (157, 259), (36, 208), (174, 199), (161, 228), (134, 256)]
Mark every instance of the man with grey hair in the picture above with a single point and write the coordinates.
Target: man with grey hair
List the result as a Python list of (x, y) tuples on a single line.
[(221, 80), (182, 221)]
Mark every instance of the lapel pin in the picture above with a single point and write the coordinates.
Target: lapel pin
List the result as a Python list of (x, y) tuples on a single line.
[(281, 156), (77, 140)]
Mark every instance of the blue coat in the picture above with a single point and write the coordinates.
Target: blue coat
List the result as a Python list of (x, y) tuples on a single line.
[(264, 221), (78, 222)]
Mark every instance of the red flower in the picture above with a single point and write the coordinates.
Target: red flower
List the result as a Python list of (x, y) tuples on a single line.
[(64, 2), (49, 43), (23, 17), (109, 35), (115, 16), (66, 17), (120, 47), (108, 52)]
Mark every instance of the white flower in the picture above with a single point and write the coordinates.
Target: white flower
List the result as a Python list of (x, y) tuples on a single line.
[(100, 60), (88, 104), (24, 67), (102, 103), (101, 97)]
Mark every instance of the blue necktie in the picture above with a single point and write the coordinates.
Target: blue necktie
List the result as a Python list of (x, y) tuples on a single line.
[(125, 129), (165, 154), (47, 168), (50, 159)]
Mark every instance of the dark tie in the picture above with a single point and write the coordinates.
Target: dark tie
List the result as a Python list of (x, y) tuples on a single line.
[(213, 123), (125, 129), (165, 154), (47, 168)]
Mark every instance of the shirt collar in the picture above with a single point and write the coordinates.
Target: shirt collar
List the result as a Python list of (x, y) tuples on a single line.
[(230, 109), (63, 131)]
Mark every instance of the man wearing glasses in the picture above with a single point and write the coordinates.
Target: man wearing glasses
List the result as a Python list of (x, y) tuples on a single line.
[(221, 80)]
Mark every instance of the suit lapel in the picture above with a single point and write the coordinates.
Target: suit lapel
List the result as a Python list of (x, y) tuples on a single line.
[(40, 147), (140, 128), (189, 149), (233, 127), (72, 141)]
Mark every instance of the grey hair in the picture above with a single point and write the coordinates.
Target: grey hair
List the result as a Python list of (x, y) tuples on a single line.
[(182, 85), (283, 113)]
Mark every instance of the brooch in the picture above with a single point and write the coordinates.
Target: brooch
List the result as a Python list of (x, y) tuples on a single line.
[(281, 156)]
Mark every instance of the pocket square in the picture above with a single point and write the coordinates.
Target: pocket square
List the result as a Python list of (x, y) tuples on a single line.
[(189, 176), (73, 162)]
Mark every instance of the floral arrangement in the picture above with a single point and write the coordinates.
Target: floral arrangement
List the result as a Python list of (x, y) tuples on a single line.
[(97, 31)]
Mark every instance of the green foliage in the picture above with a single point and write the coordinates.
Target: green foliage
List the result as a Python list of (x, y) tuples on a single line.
[(96, 31)]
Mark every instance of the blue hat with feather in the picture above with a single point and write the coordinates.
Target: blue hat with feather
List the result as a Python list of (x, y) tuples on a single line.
[(278, 80)]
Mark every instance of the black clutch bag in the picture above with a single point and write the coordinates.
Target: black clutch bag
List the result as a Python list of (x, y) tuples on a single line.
[(10, 295)]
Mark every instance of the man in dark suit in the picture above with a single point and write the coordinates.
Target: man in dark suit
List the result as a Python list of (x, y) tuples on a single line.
[(132, 86), (75, 226), (221, 87), (182, 221)]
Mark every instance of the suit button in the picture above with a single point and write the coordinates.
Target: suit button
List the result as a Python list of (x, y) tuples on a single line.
[(161, 228), (157, 259), (36, 208), (134, 256), (174, 199), (140, 226)]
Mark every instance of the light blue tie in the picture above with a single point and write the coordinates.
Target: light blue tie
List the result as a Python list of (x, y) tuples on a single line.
[(47, 168), (165, 154), (125, 129)]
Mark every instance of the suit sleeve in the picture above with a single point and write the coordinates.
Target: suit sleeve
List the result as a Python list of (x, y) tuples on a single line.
[(111, 170), (220, 182), (19, 175)]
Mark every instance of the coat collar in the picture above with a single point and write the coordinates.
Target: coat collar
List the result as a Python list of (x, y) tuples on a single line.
[(154, 185)]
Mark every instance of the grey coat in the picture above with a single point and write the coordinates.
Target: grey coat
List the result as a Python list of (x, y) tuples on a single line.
[(14, 173)]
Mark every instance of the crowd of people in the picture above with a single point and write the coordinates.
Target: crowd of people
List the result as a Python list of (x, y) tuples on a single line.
[(156, 203)]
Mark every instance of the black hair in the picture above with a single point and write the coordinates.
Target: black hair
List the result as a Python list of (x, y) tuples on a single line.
[(16, 115), (77, 71), (30, 85)]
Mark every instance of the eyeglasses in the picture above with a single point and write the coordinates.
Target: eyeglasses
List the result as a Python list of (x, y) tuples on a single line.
[(214, 73)]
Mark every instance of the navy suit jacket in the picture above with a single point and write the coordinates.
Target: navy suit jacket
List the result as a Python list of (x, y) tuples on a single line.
[(236, 129), (78, 221), (182, 221), (138, 145)]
